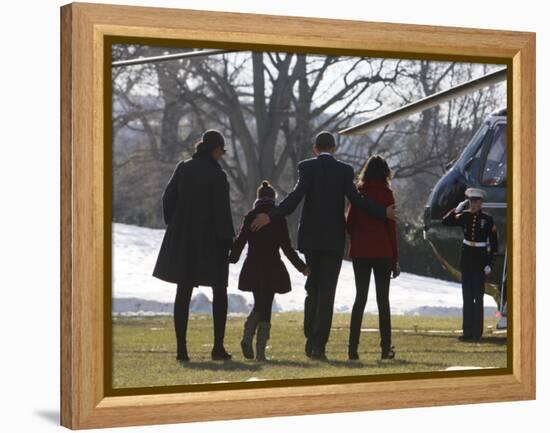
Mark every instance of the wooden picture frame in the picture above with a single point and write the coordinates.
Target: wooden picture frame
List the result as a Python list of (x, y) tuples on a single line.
[(85, 187)]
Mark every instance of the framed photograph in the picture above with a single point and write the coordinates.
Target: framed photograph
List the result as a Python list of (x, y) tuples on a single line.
[(265, 216)]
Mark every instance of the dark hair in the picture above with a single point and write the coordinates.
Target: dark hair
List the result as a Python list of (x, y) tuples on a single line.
[(325, 141), (210, 140), (266, 190), (376, 168)]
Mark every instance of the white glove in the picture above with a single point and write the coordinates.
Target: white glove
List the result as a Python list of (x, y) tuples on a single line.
[(461, 206), (487, 270)]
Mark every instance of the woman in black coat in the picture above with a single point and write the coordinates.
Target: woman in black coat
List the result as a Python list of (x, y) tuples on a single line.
[(263, 272), (198, 237)]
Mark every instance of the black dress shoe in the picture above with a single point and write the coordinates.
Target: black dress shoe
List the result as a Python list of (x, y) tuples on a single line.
[(318, 355), (465, 338), (308, 348), (219, 354), (182, 357)]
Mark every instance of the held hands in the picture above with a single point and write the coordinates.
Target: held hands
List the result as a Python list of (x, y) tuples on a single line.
[(262, 219), (396, 270), (232, 257), (461, 206), (487, 270), (307, 271)]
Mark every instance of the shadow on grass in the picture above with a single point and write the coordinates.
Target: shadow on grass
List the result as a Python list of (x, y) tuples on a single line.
[(221, 366), (354, 365), (364, 365), (501, 341), (457, 352), (256, 366), (405, 362), (289, 363), (493, 339), (233, 365), (337, 363)]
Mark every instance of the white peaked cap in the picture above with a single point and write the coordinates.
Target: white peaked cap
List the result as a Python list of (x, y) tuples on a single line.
[(475, 193)]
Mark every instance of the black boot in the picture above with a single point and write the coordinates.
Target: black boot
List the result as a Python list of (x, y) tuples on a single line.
[(218, 352), (219, 313), (250, 325), (181, 317), (261, 340), (318, 352)]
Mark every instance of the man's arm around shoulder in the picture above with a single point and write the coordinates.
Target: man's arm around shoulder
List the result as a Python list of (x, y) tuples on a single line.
[(289, 204), (293, 199), (357, 200)]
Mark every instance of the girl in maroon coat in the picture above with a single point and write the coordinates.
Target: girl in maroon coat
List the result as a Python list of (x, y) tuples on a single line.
[(263, 272), (373, 247)]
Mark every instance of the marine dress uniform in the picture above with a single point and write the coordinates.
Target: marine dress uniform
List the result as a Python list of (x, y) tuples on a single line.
[(479, 245)]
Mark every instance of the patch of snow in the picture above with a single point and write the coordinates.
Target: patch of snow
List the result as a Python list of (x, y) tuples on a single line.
[(135, 252)]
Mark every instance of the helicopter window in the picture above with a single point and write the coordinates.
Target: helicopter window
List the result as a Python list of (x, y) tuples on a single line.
[(474, 145), (473, 165), (494, 172)]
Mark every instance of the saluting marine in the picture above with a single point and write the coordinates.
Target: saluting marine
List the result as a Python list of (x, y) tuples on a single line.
[(480, 242)]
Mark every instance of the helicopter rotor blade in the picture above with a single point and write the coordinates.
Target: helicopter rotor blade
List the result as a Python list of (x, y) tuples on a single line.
[(185, 55), (427, 102)]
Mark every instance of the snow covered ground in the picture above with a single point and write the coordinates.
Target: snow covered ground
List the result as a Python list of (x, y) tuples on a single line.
[(135, 251)]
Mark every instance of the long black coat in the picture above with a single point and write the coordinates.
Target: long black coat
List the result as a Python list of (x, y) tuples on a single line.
[(199, 230), (324, 182), (263, 269)]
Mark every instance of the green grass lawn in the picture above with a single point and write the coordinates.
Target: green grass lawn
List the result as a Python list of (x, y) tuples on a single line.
[(144, 350)]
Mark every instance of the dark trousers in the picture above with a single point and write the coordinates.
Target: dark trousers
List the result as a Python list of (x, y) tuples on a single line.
[(362, 268), (263, 302), (473, 289), (321, 289), (181, 314)]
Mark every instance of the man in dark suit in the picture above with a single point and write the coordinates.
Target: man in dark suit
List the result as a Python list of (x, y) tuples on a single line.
[(324, 182)]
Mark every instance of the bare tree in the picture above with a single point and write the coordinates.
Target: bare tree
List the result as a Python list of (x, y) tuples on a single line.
[(271, 105), (273, 113)]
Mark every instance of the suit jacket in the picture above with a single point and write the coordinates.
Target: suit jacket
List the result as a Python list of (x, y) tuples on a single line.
[(324, 183)]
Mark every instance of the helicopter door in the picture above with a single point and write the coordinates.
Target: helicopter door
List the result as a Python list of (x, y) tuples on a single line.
[(492, 178)]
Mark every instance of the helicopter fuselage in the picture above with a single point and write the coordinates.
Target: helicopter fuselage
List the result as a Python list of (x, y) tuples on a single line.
[(482, 164)]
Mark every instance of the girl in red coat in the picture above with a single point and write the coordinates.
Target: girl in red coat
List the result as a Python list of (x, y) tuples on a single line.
[(263, 272), (373, 247)]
